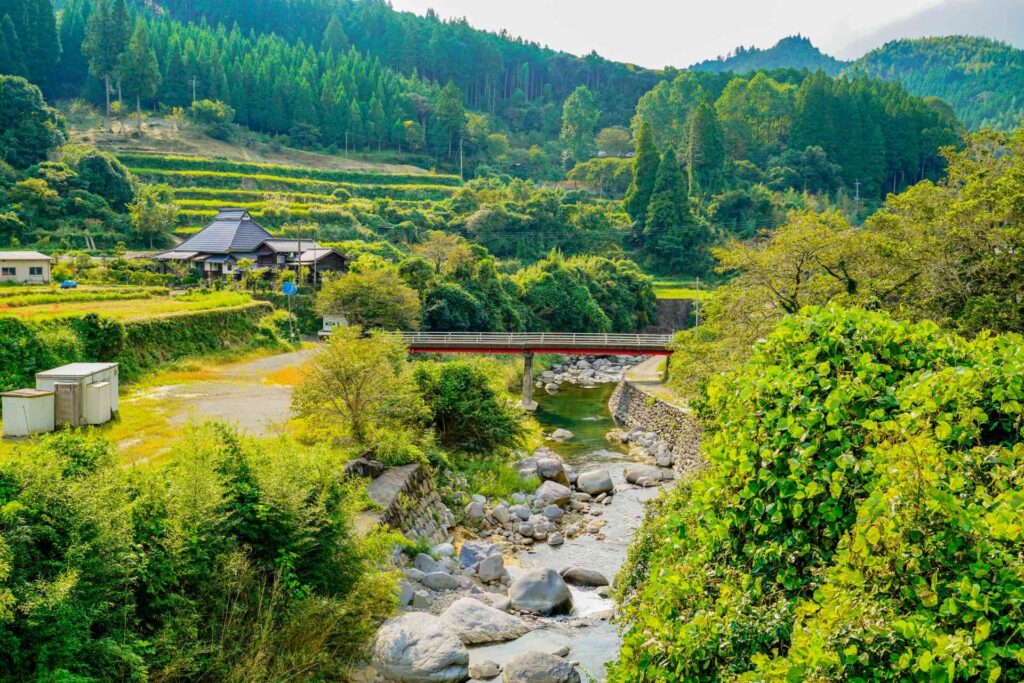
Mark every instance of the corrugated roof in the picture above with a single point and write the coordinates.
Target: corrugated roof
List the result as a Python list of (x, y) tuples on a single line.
[(23, 256), (232, 230)]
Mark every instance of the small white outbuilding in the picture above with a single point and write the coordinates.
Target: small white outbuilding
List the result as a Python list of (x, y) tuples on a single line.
[(27, 412), (25, 267), (84, 393)]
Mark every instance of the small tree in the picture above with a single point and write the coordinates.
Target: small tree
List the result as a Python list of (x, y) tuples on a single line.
[(615, 141), (153, 212), (373, 299), (357, 384), (442, 247)]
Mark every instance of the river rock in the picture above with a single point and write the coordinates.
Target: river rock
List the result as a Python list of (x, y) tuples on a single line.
[(646, 475), (491, 568), (444, 550), (439, 581), (472, 552), (474, 511), (553, 512), (425, 563), (551, 469), (539, 667), (552, 492), (561, 435), (420, 648), (540, 591), (501, 514), (556, 539), (484, 670), (580, 576), (475, 623), (520, 511), (595, 482), (551, 388)]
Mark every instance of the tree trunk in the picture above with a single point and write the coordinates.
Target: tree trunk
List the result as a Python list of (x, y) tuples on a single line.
[(106, 91), (138, 113)]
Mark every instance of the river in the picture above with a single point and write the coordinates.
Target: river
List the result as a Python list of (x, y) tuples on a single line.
[(588, 631)]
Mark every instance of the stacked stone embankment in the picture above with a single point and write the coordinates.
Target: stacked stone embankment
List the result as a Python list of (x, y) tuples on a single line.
[(653, 427)]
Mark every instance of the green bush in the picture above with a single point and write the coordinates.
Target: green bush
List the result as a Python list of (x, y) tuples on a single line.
[(860, 517), (238, 561), (467, 411)]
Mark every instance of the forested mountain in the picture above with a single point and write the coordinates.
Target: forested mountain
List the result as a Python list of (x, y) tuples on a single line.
[(498, 73), (792, 52), (983, 79)]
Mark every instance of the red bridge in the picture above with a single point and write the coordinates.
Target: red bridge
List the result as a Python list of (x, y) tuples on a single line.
[(529, 343)]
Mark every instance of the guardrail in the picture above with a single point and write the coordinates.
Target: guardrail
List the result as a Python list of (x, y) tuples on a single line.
[(534, 340)]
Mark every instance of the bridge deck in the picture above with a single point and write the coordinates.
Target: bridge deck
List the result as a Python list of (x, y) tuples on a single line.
[(538, 342)]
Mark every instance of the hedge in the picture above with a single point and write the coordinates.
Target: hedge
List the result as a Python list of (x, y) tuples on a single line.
[(137, 345), (250, 168)]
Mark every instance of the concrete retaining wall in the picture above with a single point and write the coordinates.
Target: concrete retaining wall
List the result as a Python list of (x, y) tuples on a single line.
[(634, 407)]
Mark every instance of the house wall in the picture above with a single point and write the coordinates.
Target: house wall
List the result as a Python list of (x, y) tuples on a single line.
[(22, 272)]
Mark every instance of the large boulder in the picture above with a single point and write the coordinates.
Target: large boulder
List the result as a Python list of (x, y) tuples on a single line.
[(475, 623), (561, 435), (581, 576), (553, 493), (420, 648), (595, 482), (540, 591), (647, 475), (539, 667), (551, 469)]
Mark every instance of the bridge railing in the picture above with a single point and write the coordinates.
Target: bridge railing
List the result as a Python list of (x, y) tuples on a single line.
[(536, 339)]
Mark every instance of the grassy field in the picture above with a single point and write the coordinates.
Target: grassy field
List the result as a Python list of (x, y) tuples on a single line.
[(130, 309), (679, 289)]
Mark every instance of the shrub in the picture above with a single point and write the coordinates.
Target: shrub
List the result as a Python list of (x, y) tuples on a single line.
[(468, 412), (859, 518), (238, 561)]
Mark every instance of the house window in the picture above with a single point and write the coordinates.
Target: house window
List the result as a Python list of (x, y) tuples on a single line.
[(8, 271), (35, 270)]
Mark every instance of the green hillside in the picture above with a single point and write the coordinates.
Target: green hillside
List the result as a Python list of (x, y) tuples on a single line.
[(792, 52), (983, 79)]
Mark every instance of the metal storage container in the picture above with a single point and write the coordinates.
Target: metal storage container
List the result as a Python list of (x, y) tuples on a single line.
[(27, 412), (75, 405)]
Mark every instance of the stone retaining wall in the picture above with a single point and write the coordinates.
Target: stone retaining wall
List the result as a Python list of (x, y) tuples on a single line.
[(634, 407), (411, 503)]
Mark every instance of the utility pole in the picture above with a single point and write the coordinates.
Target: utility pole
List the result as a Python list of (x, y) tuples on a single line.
[(194, 82), (461, 175), (697, 304), (856, 198)]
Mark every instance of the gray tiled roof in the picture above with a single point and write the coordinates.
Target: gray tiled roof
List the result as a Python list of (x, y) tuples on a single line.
[(231, 231)]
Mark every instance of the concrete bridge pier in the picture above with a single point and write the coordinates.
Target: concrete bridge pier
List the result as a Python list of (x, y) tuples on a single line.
[(528, 402)]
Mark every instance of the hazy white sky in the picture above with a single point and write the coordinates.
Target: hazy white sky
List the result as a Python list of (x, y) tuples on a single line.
[(657, 33)]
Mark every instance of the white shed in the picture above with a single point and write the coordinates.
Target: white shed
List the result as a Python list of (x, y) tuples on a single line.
[(27, 412), (25, 267), (77, 392)]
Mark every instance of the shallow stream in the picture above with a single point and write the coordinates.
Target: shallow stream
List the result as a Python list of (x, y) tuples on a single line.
[(588, 631)]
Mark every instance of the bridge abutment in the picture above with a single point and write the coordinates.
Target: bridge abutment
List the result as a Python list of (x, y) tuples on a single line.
[(528, 402)]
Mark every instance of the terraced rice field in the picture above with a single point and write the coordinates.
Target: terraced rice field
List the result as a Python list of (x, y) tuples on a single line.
[(274, 193)]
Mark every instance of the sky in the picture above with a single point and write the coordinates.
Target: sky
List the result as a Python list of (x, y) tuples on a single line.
[(658, 33)]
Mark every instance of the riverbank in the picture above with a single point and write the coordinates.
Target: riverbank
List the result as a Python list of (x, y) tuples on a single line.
[(526, 581)]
